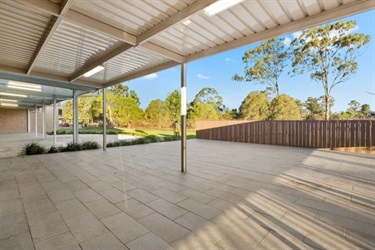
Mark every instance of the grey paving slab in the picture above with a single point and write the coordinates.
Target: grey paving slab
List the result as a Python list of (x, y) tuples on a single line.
[(134, 208), (167, 208), (142, 195), (114, 195), (85, 227), (19, 241), (9, 194), (124, 227), (99, 186), (71, 208), (64, 241), (170, 195), (39, 207), (13, 225), (199, 208), (87, 195), (191, 221), (104, 241), (149, 241), (163, 227), (201, 197), (102, 208), (10, 207), (60, 195)]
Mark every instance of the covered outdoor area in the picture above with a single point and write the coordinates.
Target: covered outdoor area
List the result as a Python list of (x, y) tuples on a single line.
[(235, 196)]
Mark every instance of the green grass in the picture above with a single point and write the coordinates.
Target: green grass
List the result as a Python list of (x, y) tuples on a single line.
[(114, 131)]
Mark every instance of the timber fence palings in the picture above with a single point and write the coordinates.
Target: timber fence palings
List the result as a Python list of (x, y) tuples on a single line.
[(307, 134)]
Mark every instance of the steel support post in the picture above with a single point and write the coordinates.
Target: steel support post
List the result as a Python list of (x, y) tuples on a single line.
[(104, 119), (75, 116), (183, 118), (54, 120)]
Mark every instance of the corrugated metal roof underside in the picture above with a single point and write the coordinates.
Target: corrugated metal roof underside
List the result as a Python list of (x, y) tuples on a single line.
[(21, 30), (71, 47)]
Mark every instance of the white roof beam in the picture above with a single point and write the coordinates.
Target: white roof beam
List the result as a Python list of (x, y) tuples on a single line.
[(323, 17), (49, 76), (38, 52), (142, 73), (178, 17), (100, 61)]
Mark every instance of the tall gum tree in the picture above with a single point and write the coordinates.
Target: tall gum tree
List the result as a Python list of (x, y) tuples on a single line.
[(329, 53), (265, 64)]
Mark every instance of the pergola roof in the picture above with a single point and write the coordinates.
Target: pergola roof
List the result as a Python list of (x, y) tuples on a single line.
[(62, 40)]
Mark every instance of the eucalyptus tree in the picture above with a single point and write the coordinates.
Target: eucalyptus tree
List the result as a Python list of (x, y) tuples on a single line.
[(329, 53), (265, 63)]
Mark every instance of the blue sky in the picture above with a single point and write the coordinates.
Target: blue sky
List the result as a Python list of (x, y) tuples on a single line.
[(216, 72)]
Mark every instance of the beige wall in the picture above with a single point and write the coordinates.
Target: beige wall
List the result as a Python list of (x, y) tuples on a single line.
[(15, 120)]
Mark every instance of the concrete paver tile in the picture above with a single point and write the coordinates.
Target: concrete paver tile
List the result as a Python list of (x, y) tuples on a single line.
[(10, 207), (167, 209), (104, 241), (87, 195), (164, 228), (99, 186), (170, 195), (20, 241), (102, 208), (64, 241), (142, 195), (71, 208), (114, 195), (9, 194), (149, 241), (13, 225), (134, 208), (201, 197), (85, 227), (60, 195), (199, 208), (124, 227), (39, 207), (191, 221)]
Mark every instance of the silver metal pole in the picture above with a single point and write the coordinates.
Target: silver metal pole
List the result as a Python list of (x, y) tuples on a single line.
[(183, 118), (104, 119), (36, 121), (28, 121), (54, 120), (75, 116), (43, 121)]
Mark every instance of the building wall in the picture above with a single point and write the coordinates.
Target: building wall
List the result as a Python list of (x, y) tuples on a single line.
[(15, 120)]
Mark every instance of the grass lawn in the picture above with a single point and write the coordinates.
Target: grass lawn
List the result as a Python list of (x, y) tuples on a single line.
[(135, 132)]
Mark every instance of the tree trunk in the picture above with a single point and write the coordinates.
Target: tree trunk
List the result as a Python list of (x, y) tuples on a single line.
[(327, 108)]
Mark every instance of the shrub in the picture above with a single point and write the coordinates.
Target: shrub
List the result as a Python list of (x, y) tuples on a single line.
[(89, 145), (72, 146), (153, 138), (53, 149), (33, 148)]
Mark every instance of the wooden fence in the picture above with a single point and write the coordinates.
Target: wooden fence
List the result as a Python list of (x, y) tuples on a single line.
[(308, 134)]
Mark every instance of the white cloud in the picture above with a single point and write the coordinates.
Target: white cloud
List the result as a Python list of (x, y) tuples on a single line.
[(151, 76), (287, 41), (202, 76), (297, 34), (227, 59)]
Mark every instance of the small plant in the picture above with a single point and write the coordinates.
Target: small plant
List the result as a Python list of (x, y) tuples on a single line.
[(33, 148), (153, 138), (53, 149), (72, 146), (90, 145)]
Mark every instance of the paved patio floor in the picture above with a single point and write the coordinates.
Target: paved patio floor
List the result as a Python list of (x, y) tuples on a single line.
[(234, 196)]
